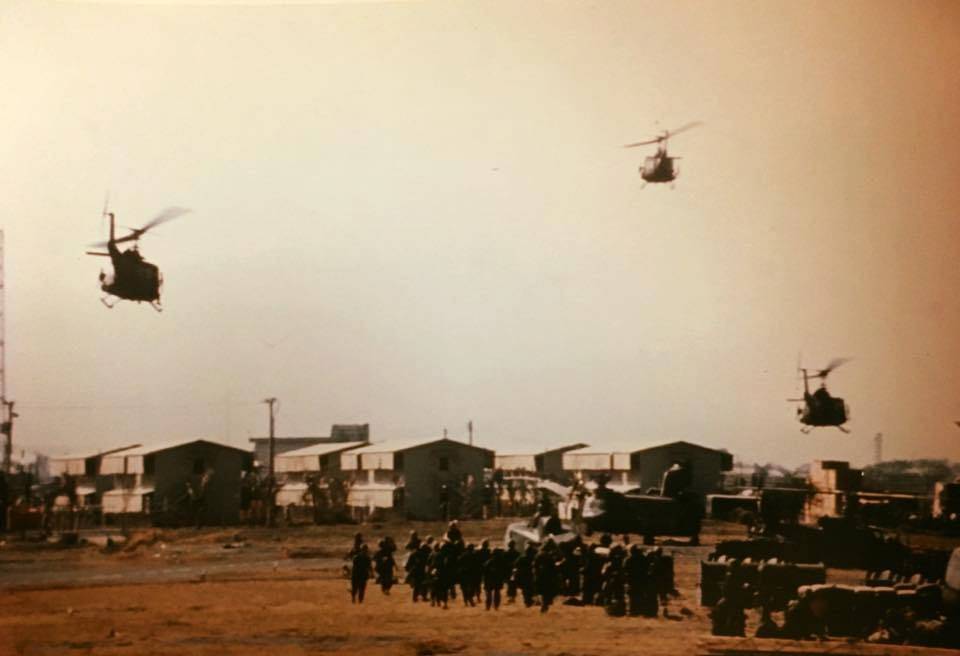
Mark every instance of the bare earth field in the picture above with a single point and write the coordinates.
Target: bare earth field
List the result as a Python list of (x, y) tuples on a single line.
[(250, 591)]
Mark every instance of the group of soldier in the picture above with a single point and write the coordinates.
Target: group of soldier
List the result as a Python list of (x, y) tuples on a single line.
[(622, 578)]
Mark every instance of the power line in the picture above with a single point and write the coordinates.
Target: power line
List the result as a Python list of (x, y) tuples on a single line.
[(134, 406)]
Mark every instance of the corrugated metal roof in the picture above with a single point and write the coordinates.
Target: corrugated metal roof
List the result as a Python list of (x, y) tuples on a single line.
[(529, 454), (635, 447), (93, 454), (320, 449), (147, 449), (392, 446)]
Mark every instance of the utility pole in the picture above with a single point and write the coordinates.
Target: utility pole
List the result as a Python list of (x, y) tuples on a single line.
[(470, 431), (6, 421), (878, 448), (6, 427), (271, 484)]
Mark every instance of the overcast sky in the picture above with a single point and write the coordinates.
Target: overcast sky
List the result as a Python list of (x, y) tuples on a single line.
[(415, 214)]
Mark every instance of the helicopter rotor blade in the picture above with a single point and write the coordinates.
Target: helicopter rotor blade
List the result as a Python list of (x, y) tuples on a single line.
[(166, 215), (645, 143), (833, 364), (98, 244), (684, 128)]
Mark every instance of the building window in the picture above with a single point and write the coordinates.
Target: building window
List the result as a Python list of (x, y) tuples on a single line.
[(443, 464)]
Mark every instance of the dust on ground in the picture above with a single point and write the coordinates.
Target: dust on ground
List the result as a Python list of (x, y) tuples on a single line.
[(247, 591)]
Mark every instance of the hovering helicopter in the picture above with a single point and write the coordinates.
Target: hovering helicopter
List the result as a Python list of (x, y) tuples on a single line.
[(133, 278), (821, 409), (660, 167)]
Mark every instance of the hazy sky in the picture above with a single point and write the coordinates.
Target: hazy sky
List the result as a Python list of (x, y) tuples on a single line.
[(415, 214)]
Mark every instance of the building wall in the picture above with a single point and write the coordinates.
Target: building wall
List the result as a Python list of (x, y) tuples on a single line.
[(423, 473), (833, 475), (707, 466), (173, 468)]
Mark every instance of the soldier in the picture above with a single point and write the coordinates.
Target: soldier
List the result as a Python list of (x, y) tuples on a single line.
[(546, 576), (416, 568), (523, 574), (439, 572), (384, 565), (453, 532), (453, 551), (493, 576), (390, 545), (661, 571), (570, 566), (360, 574), (354, 550), (637, 570), (467, 564), (509, 560), (413, 542), (614, 583), (484, 552), (483, 555), (357, 545), (592, 570), (729, 618)]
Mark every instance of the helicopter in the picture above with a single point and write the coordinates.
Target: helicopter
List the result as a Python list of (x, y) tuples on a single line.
[(660, 167), (820, 408), (133, 278)]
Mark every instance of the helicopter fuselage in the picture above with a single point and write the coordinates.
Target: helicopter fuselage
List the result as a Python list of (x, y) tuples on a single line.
[(823, 410), (820, 409), (659, 168), (134, 279)]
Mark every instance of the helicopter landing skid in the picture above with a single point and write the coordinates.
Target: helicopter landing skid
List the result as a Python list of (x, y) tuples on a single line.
[(156, 306), (844, 430), (103, 299)]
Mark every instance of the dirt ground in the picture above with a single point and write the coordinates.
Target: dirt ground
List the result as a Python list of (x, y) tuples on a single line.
[(246, 591)]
